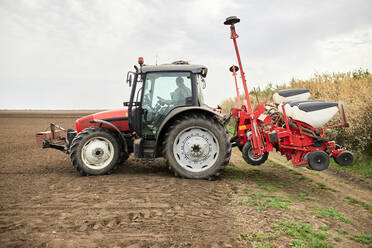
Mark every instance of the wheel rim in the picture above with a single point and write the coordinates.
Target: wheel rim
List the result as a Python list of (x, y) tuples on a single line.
[(196, 149), (253, 156), (318, 160), (97, 153), (345, 158)]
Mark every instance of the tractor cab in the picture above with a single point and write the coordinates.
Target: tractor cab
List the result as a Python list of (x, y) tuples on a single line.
[(158, 93)]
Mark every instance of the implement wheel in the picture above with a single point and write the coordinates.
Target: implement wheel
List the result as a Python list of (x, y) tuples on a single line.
[(318, 160), (95, 151), (345, 158), (197, 147), (251, 158)]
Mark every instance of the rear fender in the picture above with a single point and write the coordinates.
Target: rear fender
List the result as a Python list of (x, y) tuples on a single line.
[(174, 114)]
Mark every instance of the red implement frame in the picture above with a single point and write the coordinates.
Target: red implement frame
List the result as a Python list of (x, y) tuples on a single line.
[(255, 135)]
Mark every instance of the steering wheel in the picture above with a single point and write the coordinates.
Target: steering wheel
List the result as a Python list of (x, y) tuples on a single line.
[(161, 101)]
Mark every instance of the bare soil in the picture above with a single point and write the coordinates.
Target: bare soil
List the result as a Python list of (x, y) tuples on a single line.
[(44, 202)]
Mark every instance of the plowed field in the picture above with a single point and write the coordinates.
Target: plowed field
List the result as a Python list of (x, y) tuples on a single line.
[(44, 202)]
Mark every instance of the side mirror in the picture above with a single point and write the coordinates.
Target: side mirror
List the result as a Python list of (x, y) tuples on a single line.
[(130, 78)]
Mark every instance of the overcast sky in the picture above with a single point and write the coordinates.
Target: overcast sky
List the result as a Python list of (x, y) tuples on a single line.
[(75, 54)]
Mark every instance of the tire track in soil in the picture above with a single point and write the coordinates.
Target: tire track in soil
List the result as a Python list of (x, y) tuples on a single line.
[(346, 184), (140, 205)]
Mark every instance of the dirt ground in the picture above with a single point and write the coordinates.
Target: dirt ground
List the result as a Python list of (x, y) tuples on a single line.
[(44, 202)]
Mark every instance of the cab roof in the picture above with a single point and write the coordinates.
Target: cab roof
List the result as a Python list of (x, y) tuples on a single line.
[(174, 67)]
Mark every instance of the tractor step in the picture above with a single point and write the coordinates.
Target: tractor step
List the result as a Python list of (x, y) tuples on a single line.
[(144, 149)]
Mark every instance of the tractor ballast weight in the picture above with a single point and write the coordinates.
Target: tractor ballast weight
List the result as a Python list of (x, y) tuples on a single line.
[(292, 125)]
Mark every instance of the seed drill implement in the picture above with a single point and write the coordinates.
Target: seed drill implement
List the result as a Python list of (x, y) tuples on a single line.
[(292, 125)]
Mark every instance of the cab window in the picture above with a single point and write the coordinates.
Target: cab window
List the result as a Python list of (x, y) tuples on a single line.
[(164, 91)]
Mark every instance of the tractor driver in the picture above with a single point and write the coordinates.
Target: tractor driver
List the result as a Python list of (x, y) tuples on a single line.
[(179, 95)]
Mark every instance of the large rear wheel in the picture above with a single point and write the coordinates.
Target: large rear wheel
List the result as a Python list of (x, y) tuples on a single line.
[(95, 151), (197, 147)]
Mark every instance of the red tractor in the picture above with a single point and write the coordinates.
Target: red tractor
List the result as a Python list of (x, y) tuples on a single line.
[(165, 117)]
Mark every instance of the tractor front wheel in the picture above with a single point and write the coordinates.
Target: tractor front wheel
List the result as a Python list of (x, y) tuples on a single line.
[(95, 151), (197, 147), (250, 157)]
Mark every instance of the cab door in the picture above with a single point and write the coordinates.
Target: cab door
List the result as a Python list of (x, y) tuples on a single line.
[(135, 105), (164, 91)]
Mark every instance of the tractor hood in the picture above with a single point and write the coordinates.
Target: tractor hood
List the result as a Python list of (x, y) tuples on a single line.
[(118, 117)]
